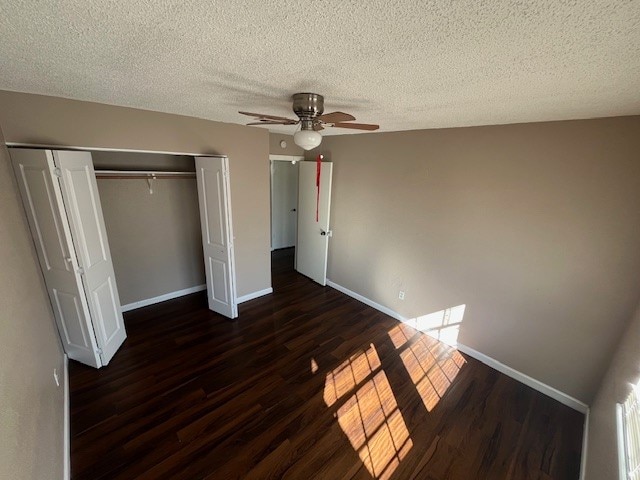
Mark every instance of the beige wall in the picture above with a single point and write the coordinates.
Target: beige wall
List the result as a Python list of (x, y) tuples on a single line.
[(31, 406), (276, 149), (157, 246), (534, 227), (142, 161), (38, 119), (602, 458)]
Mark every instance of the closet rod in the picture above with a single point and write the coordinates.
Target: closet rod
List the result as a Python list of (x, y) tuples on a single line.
[(146, 175)]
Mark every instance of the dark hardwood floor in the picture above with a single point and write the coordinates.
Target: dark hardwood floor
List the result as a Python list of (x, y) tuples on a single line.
[(306, 383)]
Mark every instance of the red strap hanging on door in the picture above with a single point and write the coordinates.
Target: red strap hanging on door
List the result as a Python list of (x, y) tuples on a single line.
[(318, 171)]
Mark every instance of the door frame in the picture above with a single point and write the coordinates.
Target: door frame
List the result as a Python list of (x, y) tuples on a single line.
[(278, 158)]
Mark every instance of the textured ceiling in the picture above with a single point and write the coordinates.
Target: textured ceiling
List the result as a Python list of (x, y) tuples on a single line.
[(402, 64)]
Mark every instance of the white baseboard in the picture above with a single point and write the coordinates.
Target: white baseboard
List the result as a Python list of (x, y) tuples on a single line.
[(366, 301), (162, 298), (66, 422), (251, 296), (585, 446), (548, 390), (492, 362)]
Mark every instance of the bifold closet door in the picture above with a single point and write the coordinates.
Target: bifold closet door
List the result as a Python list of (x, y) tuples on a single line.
[(82, 204), (42, 198), (217, 233), (60, 195)]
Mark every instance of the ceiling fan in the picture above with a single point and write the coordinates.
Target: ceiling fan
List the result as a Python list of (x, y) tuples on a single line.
[(309, 107)]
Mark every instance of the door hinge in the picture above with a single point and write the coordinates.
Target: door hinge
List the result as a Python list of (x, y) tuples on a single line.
[(57, 172), (99, 351), (80, 270)]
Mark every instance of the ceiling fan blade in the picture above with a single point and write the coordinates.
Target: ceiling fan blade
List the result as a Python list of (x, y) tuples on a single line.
[(335, 117), (269, 122), (270, 117), (357, 126)]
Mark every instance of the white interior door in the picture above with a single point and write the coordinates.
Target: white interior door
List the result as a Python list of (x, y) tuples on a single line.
[(214, 197), (284, 203), (42, 199), (313, 236), (82, 204)]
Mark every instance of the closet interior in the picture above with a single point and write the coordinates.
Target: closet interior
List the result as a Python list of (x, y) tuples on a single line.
[(150, 207)]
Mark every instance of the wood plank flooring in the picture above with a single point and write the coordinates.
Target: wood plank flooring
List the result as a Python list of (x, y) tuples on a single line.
[(306, 383)]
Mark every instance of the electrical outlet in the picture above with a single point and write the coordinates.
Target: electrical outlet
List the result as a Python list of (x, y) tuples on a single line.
[(401, 295), (55, 377)]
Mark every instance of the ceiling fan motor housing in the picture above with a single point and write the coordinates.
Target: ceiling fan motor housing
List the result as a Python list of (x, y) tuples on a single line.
[(307, 106)]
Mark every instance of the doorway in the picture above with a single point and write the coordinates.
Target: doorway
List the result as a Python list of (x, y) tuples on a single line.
[(284, 200), (300, 211)]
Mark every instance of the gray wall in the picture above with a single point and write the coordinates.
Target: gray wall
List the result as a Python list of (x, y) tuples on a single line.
[(290, 149), (155, 239), (142, 161), (534, 227), (31, 406), (602, 459), (38, 119)]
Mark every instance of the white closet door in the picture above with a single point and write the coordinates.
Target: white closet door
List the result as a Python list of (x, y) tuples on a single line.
[(313, 236), (217, 235), (42, 199), (82, 204)]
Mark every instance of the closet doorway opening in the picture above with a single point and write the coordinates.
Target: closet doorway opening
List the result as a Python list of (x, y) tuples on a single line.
[(150, 208), (169, 217)]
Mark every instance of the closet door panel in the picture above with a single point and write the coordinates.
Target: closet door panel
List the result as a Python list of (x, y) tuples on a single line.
[(68, 307), (41, 196), (105, 296), (82, 202), (82, 199), (217, 233)]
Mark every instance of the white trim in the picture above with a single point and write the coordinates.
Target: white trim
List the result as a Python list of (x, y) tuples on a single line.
[(621, 447), (66, 422), (585, 446), (251, 296), (366, 301), (105, 149), (163, 298), (548, 390), (501, 367), (286, 158)]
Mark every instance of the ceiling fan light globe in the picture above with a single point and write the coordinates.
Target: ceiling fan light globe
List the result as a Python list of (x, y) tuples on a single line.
[(307, 139)]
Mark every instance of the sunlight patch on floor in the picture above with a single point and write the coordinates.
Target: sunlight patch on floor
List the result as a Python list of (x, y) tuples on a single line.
[(368, 413), (431, 365), (314, 365), (401, 334)]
